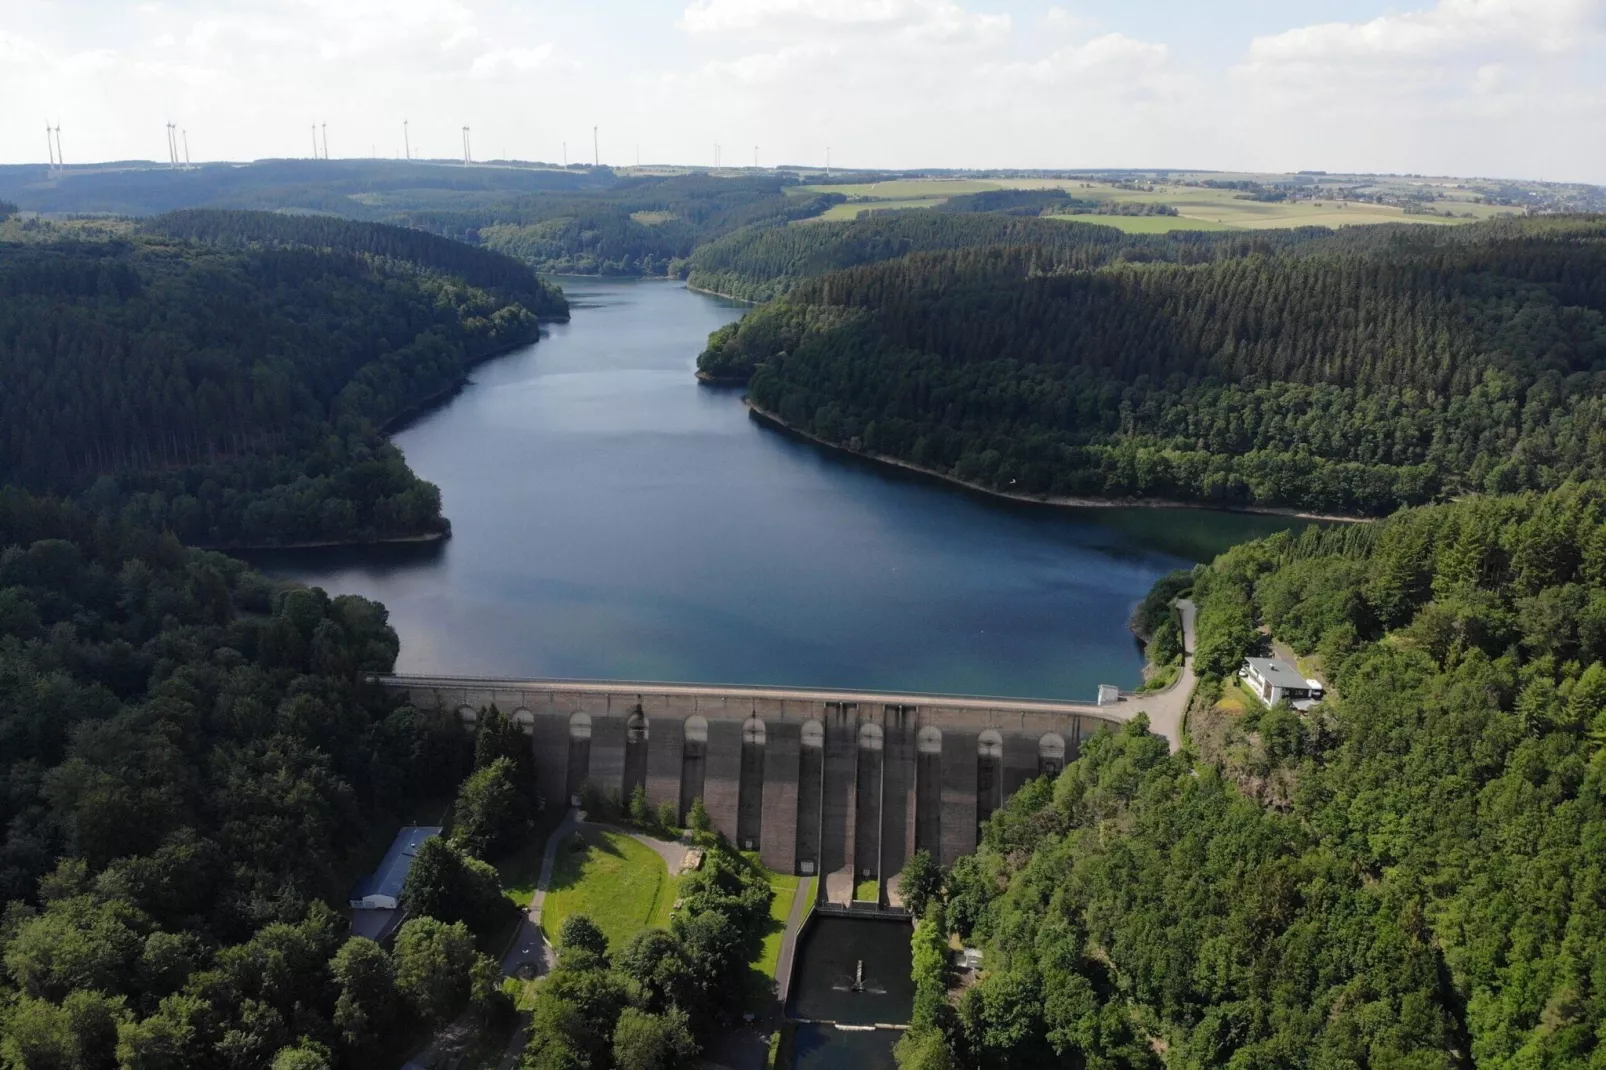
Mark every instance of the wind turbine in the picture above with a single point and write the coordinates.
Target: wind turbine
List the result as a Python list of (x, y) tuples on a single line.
[(61, 160), (406, 140), (50, 145), (186, 134), (314, 141), (326, 141)]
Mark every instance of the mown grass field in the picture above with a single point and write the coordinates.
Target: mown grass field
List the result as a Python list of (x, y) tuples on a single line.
[(618, 883), (1199, 208), (1145, 224)]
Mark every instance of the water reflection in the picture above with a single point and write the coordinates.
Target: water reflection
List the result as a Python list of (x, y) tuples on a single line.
[(613, 519)]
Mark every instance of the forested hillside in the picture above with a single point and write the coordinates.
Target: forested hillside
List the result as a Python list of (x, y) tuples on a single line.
[(500, 274), (759, 263), (234, 391), (642, 226), (190, 758), (577, 220), (1413, 874), (1347, 373)]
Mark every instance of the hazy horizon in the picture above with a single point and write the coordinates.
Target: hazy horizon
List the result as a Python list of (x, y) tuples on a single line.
[(1455, 88)]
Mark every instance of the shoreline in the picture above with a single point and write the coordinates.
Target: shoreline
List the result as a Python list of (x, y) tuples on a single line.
[(722, 380), (426, 405), (772, 420), (322, 544), (716, 293)]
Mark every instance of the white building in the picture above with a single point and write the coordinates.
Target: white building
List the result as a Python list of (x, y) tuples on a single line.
[(1275, 680)]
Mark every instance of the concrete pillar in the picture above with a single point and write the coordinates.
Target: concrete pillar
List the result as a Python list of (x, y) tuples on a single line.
[(867, 802), (637, 748), (778, 838), (666, 754), (837, 802), (810, 790), (1020, 761), (693, 762), (958, 795), (608, 755), (722, 782), (989, 774), (897, 794), (928, 791), (579, 760), (549, 742), (750, 796)]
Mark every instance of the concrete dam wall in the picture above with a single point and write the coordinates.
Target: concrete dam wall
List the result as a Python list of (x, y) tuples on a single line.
[(841, 784)]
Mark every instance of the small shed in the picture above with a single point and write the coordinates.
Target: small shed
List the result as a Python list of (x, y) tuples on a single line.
[(382, 889)]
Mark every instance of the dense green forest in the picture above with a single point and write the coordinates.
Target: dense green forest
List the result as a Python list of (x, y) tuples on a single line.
[(226, 376), (191, 761), (640, 226), (759, 263), (1411, 875), (1348, 372)]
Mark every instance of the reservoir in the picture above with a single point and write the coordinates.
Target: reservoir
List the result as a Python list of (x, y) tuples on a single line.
[(612, 519)]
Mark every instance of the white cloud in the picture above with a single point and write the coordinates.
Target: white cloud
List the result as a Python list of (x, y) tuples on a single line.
[(500, 61), (1475, 86), (1451, 28), (921, 18)]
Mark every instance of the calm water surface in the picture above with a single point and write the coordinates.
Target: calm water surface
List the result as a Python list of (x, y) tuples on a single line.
[(822, 991), (612, 519)]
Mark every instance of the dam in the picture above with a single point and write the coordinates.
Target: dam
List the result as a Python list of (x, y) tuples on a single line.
[(841, 784)]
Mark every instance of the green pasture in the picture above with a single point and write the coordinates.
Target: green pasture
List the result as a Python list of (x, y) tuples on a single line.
[(1198, 208)]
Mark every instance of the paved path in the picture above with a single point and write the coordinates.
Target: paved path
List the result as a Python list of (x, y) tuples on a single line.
[(530, 948), (802, 901), (1166, 708)]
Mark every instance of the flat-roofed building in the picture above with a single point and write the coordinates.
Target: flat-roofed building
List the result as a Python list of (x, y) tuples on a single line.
[(1274, 680), (382, 889)]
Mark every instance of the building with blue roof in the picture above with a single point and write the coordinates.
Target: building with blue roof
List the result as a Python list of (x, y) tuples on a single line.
[(382, 889)]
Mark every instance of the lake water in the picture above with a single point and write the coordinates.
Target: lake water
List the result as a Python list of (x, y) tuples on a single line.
[(614, 520)]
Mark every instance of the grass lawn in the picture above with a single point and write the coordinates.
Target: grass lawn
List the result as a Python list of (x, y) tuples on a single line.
[(620, 884), (761, 979), (868, 891), (1234, 700)]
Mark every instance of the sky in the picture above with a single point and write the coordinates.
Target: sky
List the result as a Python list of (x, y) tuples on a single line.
[(1503, 88)]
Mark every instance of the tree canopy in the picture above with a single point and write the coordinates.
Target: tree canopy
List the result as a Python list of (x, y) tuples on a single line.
[(1411, 874), (1348, 373), (233, 388)]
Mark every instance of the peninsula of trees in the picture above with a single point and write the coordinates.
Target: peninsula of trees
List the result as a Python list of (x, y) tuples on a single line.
[(1348, 372), (227, 375)]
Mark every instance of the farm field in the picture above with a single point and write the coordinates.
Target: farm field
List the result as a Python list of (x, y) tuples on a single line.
[(1146, 224), (1199, 208)]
